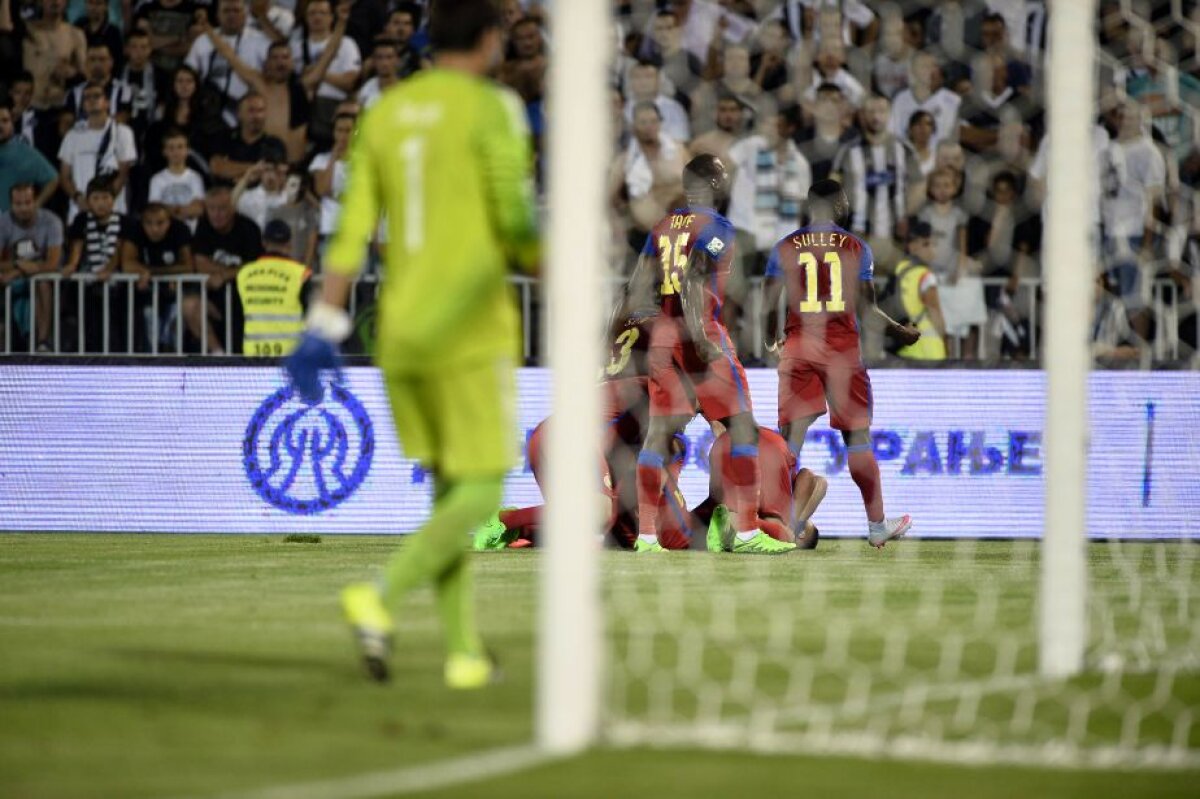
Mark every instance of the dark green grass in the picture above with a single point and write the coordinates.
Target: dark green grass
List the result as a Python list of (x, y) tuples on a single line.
[(135, 666)]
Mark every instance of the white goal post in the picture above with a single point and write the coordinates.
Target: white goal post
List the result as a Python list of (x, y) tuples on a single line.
[(570, 652), (1068, 267)]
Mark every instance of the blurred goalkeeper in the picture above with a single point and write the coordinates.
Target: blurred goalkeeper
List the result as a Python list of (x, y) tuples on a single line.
[(445, 157)]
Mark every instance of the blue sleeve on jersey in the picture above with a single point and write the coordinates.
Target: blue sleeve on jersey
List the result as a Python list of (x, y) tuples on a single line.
[(866, 262), (773, 267), (716, 239), (648, 247)]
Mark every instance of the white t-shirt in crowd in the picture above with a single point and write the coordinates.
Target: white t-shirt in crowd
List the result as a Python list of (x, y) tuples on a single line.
[(1100, 145), (370, 93), (330, 206), (175, 191), (257, 202), (942, 105), (81, 149), (348, 59), (1131, 169)]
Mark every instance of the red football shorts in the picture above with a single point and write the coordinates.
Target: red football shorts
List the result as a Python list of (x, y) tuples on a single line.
[(681, 382), (808, 389), (775, 465)]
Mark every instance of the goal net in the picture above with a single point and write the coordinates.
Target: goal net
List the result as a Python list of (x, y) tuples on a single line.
[(1046, 608)]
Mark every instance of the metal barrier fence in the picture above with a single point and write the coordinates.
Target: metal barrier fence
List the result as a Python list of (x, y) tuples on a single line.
[(163, 325)]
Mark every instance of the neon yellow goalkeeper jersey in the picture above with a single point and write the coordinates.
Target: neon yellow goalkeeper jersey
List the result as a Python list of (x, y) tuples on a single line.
[(445, 158)]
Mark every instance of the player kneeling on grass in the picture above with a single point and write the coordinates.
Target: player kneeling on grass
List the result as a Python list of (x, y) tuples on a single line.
[(787, 498), (446, 157), (825, 272)]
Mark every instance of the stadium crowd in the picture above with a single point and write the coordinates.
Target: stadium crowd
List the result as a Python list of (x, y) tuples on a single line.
[(161, 137)]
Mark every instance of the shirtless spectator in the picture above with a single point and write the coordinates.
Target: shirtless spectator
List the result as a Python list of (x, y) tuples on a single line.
[(646, 178), (55, 52)]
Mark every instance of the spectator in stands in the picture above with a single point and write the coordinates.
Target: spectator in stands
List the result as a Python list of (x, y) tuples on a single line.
[(224, 241), (21, 164), (734, 81), (958, 278), (731, 124), (889, 70), (97, 147), (180, 110), (770, 178), (924, 94), (178, 187), (385, 63), (167, 22), (288, 96), (1005, 235), (99, 70), (329, 176), (214, 69), (143, 79), (30, 125), (402, 26), (1133, 181), (703, 21), (338, 76), (646, 179), (271, 19), (99, 31), (680, 68), (158, 247), (302, 213), (31, 240), (644, 87), (249, 144), (769, 65), (829, 133), (54, 52), (853, 19), (994, 36), (830, 66), (915, 286), (876, 171), (95, 238), (268, 193)]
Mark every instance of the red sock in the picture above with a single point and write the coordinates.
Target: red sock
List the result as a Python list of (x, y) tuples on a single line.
[(743, 486), (865, 471), (776, 529), (650, 477), (521, 517)]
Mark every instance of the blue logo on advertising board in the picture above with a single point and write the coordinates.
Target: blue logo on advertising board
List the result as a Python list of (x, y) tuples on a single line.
[(304, 458)]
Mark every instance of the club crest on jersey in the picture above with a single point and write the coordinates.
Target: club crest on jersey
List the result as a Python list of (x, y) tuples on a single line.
[(715, 248), (305, 459)]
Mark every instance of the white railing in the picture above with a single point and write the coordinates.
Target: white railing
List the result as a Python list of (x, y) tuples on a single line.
[(166, 335)]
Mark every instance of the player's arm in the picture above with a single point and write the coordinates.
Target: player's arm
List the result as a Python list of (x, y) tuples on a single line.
[(691, 298), (506, 157), (641, 295), (773, 289), (877, 317)]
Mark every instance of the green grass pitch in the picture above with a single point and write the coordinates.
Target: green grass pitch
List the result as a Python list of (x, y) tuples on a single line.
[(146, 666)]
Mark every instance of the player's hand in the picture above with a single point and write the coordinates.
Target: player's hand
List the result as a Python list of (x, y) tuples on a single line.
[(304, 366), (906, 334), (708, 350)]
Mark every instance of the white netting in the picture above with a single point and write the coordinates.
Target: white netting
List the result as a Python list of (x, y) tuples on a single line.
[(927, 650)]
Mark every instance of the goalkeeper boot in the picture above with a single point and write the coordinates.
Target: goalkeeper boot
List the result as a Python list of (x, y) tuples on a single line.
[(720, 531), (468, 672), (492, 534), (640, 545), (372, 626), (760, 544), (879, 533)]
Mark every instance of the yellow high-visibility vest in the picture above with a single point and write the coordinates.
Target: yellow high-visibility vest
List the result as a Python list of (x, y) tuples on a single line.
[(274, 317), (930, 346)]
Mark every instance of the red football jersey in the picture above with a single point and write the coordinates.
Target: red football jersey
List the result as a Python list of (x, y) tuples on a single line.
[(671, 243), (821, 267)]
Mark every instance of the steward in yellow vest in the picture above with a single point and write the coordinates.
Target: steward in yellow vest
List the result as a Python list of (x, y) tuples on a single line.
[(916, 290), (272, 292)]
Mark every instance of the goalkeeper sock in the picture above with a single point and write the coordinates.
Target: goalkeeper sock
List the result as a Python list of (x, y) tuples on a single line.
[(434, 553), (864, 469), (743, 486), (650, 480), (456, 605)]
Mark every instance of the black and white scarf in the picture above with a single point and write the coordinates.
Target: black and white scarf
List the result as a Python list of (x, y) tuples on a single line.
[(100, 242)]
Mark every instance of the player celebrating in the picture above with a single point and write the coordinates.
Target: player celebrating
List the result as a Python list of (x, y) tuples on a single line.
[(691, 360), (446, 156), (825, 271)]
